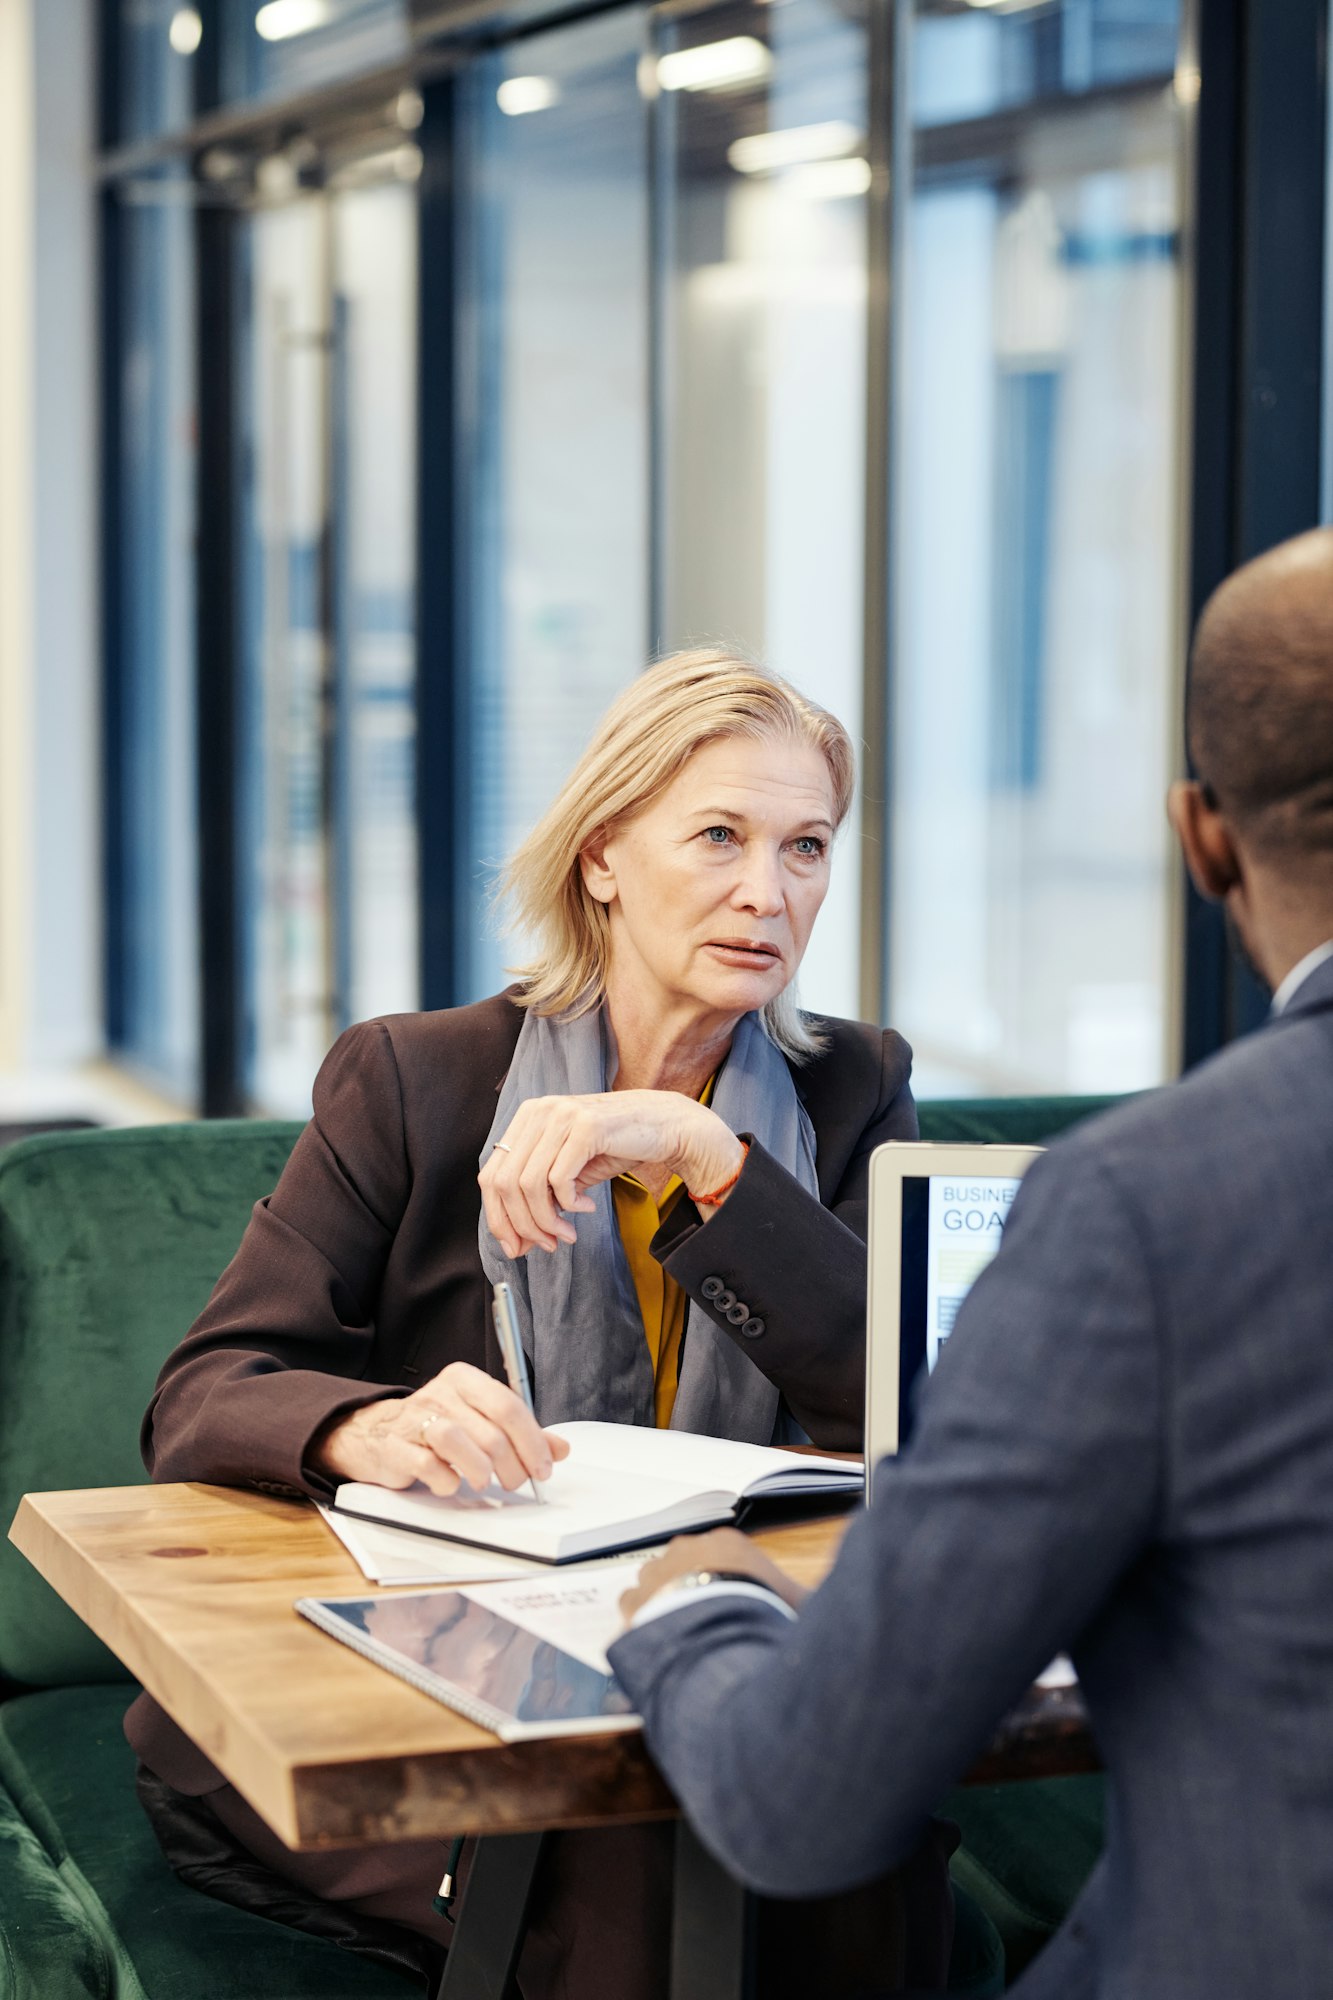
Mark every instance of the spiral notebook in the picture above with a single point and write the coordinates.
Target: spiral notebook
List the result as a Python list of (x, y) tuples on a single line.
[(524, 1658), (620, 1487)]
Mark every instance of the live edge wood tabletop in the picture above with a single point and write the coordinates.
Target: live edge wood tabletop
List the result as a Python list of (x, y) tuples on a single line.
[(192, 1587)]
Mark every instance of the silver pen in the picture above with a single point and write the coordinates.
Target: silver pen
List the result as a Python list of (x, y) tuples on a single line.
[(511, 1353)]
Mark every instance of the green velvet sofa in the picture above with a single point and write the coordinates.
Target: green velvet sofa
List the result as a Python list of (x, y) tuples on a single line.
[(109, 1245), (110, 1242)]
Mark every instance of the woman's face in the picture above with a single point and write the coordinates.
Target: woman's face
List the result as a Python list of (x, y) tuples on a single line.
[(712, 890)]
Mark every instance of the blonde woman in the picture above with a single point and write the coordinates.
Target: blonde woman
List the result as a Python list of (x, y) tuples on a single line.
[(645, 1136)]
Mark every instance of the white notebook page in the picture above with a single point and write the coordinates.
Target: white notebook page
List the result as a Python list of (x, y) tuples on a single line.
[(706, 1463)]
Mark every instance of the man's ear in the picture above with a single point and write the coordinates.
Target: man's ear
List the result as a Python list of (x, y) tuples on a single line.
[(599, 877), (1205, 840)]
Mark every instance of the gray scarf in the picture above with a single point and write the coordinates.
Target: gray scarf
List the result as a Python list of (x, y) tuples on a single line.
[(578, 1312)]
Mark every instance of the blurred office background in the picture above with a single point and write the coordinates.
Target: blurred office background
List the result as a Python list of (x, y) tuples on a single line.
[(381, 385)]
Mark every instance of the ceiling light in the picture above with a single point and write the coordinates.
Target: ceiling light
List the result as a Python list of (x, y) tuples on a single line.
[(277, 178), (765, 152), (1187, 83), (281, 19), (186, 31), (220, 163), (827, 180), (518, 95), (715, 65)]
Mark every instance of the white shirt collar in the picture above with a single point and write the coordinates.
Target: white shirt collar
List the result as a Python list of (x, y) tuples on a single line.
[(1298, 975)]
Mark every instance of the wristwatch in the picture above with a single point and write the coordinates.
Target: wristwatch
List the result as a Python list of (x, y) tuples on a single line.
[(700, 1579)]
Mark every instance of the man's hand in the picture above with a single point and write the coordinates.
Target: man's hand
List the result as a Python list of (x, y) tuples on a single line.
[(721, 1549), (463, 1425)]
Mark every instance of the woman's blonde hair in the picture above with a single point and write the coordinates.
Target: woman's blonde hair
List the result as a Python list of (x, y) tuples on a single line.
[(646, 736)]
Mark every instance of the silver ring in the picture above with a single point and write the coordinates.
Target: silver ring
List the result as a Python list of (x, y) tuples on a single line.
[(499, 1146), (424, 1427)]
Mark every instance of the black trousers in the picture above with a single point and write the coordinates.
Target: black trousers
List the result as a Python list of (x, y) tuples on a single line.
[(599, 1922)]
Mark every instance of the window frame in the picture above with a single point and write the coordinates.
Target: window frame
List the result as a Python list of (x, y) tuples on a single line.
[(1252, 409)]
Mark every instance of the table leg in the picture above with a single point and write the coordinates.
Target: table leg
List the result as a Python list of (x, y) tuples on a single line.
[(492, 1917), (712, 1927)]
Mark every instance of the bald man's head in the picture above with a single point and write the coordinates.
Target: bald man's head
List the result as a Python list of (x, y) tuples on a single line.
[(1259, 711)]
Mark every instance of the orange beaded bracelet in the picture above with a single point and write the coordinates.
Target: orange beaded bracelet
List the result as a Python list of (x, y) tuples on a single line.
[(711, 1200)]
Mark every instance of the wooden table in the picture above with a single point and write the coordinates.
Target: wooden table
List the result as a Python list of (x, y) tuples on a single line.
[(192, 1587)]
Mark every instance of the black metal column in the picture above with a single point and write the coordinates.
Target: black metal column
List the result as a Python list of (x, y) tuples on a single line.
[(1260, 174), (216, 585), (443, 794), (114, 943), (887, 25)]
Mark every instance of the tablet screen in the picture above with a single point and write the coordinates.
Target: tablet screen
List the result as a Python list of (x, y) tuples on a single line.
[(451, 1639), (951, 1228)]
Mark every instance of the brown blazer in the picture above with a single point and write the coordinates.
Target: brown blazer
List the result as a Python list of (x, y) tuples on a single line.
[(360, 1275)]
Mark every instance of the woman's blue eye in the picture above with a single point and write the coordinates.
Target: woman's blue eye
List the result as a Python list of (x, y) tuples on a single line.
[(717, 836), (809, 844)]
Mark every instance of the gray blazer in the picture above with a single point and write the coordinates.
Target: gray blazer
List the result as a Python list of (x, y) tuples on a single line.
[(1126, 1452)]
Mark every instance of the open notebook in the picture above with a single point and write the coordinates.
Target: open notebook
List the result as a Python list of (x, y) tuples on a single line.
[(620, 1487)]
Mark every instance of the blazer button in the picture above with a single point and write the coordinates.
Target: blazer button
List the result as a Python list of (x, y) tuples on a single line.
[(752, 1329), (712, 1288), (739, 1313), (725, 1301)]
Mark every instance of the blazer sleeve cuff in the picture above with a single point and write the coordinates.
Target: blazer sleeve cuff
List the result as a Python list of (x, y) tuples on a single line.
[(688, 1247), (784, 1278), (647, 1648), (272, 1417)]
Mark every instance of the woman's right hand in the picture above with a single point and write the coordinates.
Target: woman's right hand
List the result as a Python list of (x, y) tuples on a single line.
[(556, 1148), (462, 1425)]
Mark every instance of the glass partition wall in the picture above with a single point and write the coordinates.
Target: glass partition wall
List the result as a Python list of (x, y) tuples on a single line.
[(650, 364), (152, 899), (326, 479), (662, 388), (554, 399), (1038, 476), (1036, 628), (761, 128)]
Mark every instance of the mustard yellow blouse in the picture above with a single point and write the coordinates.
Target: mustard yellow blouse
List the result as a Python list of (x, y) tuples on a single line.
[(662, 1302)]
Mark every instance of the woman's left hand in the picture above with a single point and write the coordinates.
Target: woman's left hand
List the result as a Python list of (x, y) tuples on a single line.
[(556, 1148)]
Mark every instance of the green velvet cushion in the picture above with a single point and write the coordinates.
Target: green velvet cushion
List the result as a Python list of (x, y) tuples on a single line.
[(136, 1932), (50, 1946), (1004, 1121), (110, 1243), (976, 1964), (1027, 1851)]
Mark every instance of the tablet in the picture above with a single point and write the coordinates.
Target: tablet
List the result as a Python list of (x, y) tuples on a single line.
[(523, 1657), (937, 1216)]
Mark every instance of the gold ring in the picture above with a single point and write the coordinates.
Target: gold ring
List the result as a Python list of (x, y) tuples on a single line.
[(425, 1426)]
